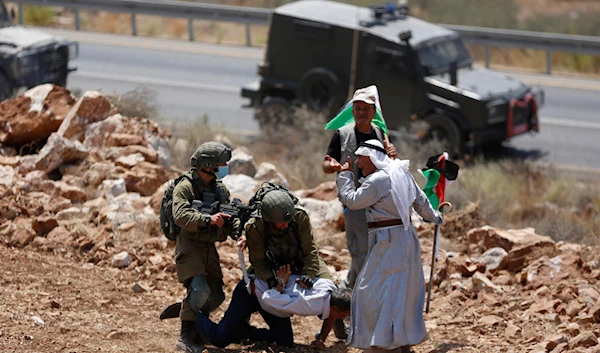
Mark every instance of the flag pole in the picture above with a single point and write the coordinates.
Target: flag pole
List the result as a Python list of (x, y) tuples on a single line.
[(434, 253), (353, 60)]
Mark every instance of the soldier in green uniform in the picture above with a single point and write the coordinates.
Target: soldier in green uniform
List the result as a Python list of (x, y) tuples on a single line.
[(196, 257), (282, 235)]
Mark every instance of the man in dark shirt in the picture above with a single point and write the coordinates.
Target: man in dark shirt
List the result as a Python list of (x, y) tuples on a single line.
[(341, 150)]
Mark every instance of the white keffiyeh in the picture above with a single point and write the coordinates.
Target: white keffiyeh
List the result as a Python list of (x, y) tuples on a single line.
[(403, 189)]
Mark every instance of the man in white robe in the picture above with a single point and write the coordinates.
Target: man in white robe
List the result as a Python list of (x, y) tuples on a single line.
[(388, 298)]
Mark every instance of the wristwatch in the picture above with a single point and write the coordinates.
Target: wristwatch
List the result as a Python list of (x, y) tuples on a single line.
[(207, 220)]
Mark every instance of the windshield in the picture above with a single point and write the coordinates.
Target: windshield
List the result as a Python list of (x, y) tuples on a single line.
[(438, 56)]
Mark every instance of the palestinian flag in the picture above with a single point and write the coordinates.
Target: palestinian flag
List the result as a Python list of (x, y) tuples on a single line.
[(440, 172), (345, 117)]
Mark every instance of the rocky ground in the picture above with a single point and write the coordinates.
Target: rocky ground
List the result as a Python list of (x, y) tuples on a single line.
[(85, 267)]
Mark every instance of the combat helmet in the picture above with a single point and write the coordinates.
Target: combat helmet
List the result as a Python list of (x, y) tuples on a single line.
[(210, 155), (277, 206)]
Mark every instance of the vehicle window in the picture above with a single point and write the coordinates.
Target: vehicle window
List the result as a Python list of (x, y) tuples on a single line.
[(387, 59), (438, 56), (394, 61), (312, 30)]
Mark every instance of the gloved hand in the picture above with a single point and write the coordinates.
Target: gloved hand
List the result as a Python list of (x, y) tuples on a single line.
[(306, 281), (272, 282)]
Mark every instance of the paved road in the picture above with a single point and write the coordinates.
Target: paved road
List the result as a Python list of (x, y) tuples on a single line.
[(193, 79)]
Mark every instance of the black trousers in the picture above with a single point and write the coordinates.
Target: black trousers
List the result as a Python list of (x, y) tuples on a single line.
[(234, 326)]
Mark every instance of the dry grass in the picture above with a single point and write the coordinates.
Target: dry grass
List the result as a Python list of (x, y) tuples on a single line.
[(136, 103)]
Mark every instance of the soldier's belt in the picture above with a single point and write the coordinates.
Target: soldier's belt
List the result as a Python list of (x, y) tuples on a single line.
[(386, 223)]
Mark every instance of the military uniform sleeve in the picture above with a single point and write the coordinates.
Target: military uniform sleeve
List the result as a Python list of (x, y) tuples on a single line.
[(184, 215), (256, 252), (309, 247)]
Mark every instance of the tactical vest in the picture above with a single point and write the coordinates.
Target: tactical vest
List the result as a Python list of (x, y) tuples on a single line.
[(283, 249), (216, 191), (349, 144)]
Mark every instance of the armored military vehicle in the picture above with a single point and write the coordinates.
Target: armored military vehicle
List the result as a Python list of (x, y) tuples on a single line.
[(29, 57), (318, 52)]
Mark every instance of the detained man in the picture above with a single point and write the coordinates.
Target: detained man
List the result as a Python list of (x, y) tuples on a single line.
[(291, 297), (276, 306), (382, 322)]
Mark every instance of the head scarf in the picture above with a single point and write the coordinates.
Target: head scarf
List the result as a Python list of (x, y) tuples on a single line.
[(403, 188)]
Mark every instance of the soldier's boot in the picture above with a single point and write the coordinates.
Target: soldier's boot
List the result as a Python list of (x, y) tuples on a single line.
[(406, 349), (185, 343), (340, 330), (171, 312)]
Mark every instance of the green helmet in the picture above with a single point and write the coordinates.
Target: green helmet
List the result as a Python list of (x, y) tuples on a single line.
[(277, 206), (210, 155)]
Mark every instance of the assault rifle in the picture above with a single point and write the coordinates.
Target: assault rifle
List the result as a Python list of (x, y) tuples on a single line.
[(235, 209)]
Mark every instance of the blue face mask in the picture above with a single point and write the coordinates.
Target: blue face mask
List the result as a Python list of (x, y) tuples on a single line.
[(222, 172)]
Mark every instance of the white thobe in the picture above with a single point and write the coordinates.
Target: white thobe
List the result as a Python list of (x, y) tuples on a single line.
[(296, 300), (388, 298)]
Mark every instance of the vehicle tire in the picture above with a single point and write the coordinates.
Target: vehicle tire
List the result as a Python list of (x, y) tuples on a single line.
[(273, 112), (321, 90), (444, 130), (6, 88)]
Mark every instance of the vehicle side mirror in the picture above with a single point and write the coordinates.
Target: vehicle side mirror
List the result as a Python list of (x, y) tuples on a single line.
[(453, 73)]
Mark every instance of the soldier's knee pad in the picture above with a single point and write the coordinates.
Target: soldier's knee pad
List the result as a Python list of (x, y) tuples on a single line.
[(199, 293)]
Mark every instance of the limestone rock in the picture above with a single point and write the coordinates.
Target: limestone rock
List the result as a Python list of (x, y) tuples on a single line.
[(495, 259), (241, 186), (109, 189), (325, 216), (145, 178), (22, 237), (57, 151), (241, 163), (268, 172), (482, 283), (584, 339), (35, 115), (43, 225), (91, 107), (121, 260), (521, 244)]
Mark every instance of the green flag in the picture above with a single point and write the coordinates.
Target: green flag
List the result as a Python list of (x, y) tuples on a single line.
[(432, 176), (345, 117)]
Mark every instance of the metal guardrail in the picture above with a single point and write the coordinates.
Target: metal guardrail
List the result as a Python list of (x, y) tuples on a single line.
[(548, 42), (487, 37)]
